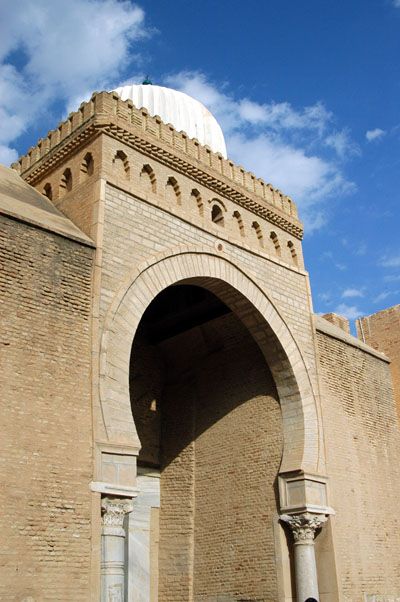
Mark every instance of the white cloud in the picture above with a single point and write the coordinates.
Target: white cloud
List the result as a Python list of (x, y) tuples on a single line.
[(281, 144), (66, 49), (69, 53), (351, 312), (307, 177), (234, 113), (282, 115), (396, 3), (392, 278), (384, 295), (391, 262), (352, 292), (361, 249), (7, 155), (342, 144), (377, 132), (325, 297)]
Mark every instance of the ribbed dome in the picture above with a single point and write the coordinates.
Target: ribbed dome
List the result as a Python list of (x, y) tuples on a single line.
[(182, 111)]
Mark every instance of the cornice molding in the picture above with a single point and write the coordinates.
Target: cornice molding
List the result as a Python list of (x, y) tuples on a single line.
[(59, 153)]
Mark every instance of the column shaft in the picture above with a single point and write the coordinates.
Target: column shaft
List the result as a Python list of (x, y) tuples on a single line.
[(303, 527), (306, 572), (113, 549)]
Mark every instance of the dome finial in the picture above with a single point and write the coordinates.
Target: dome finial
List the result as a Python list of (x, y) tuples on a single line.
[(147, 81)]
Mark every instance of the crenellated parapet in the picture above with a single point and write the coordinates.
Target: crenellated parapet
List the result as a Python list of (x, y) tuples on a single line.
[(106, 113)]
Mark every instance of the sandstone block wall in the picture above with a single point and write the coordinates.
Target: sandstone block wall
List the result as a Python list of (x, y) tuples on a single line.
[(362, 441), (338, 321), (194, 201), (45, 443), (77, 197), (382, 331)]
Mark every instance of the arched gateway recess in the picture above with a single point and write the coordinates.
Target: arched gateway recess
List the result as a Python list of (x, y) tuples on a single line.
[(207, 415), (247, 300), (176, 367)]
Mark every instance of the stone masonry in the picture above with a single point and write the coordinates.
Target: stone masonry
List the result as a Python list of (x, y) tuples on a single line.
[(382, 331), (272, 431)]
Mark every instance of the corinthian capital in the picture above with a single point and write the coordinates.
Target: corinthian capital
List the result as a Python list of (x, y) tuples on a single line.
[(304, 526), (113, 514)]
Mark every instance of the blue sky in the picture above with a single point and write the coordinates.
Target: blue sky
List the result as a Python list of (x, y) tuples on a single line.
[(307, 93)]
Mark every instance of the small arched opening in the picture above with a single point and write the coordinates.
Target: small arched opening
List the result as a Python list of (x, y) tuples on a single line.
[(217, 216), (172, 191), (66, 182), (239, 222), (87, 166), (293, 253), (148, 178), (121, 165), (258, 232), (48, 191), (196, 198), (275, 241)]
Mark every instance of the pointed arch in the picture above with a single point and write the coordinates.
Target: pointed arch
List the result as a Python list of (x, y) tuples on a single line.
[(48, 191), (293, 253), (65, 182), (275, 241), (196, 198), (121, 164), (239, 221), (172, 191), (302, 434), (148, 178), (87, 166), (258, 232)]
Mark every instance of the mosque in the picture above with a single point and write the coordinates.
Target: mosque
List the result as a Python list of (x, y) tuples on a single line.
[(178, 425)]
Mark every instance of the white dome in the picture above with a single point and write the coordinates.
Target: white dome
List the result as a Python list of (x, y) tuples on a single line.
[(184, 112)]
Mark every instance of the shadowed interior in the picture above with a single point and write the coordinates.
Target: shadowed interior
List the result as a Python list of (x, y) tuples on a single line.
[(207, 415)]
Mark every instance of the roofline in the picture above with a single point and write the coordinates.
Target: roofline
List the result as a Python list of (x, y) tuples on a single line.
[(87, 242), (322, 325), (107, 113)]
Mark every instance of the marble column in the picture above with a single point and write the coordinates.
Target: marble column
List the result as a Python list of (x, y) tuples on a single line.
[(303, 527), (114, 510)]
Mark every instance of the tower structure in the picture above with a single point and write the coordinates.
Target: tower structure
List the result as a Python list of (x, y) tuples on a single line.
[(208, 463)]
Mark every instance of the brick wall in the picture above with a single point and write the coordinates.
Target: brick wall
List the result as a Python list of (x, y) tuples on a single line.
[(134, 221), (363, 446), (46, 455), (382, 331), (221, 446)]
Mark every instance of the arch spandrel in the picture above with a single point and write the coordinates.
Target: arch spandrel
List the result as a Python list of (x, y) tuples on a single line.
[(302, 453)]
